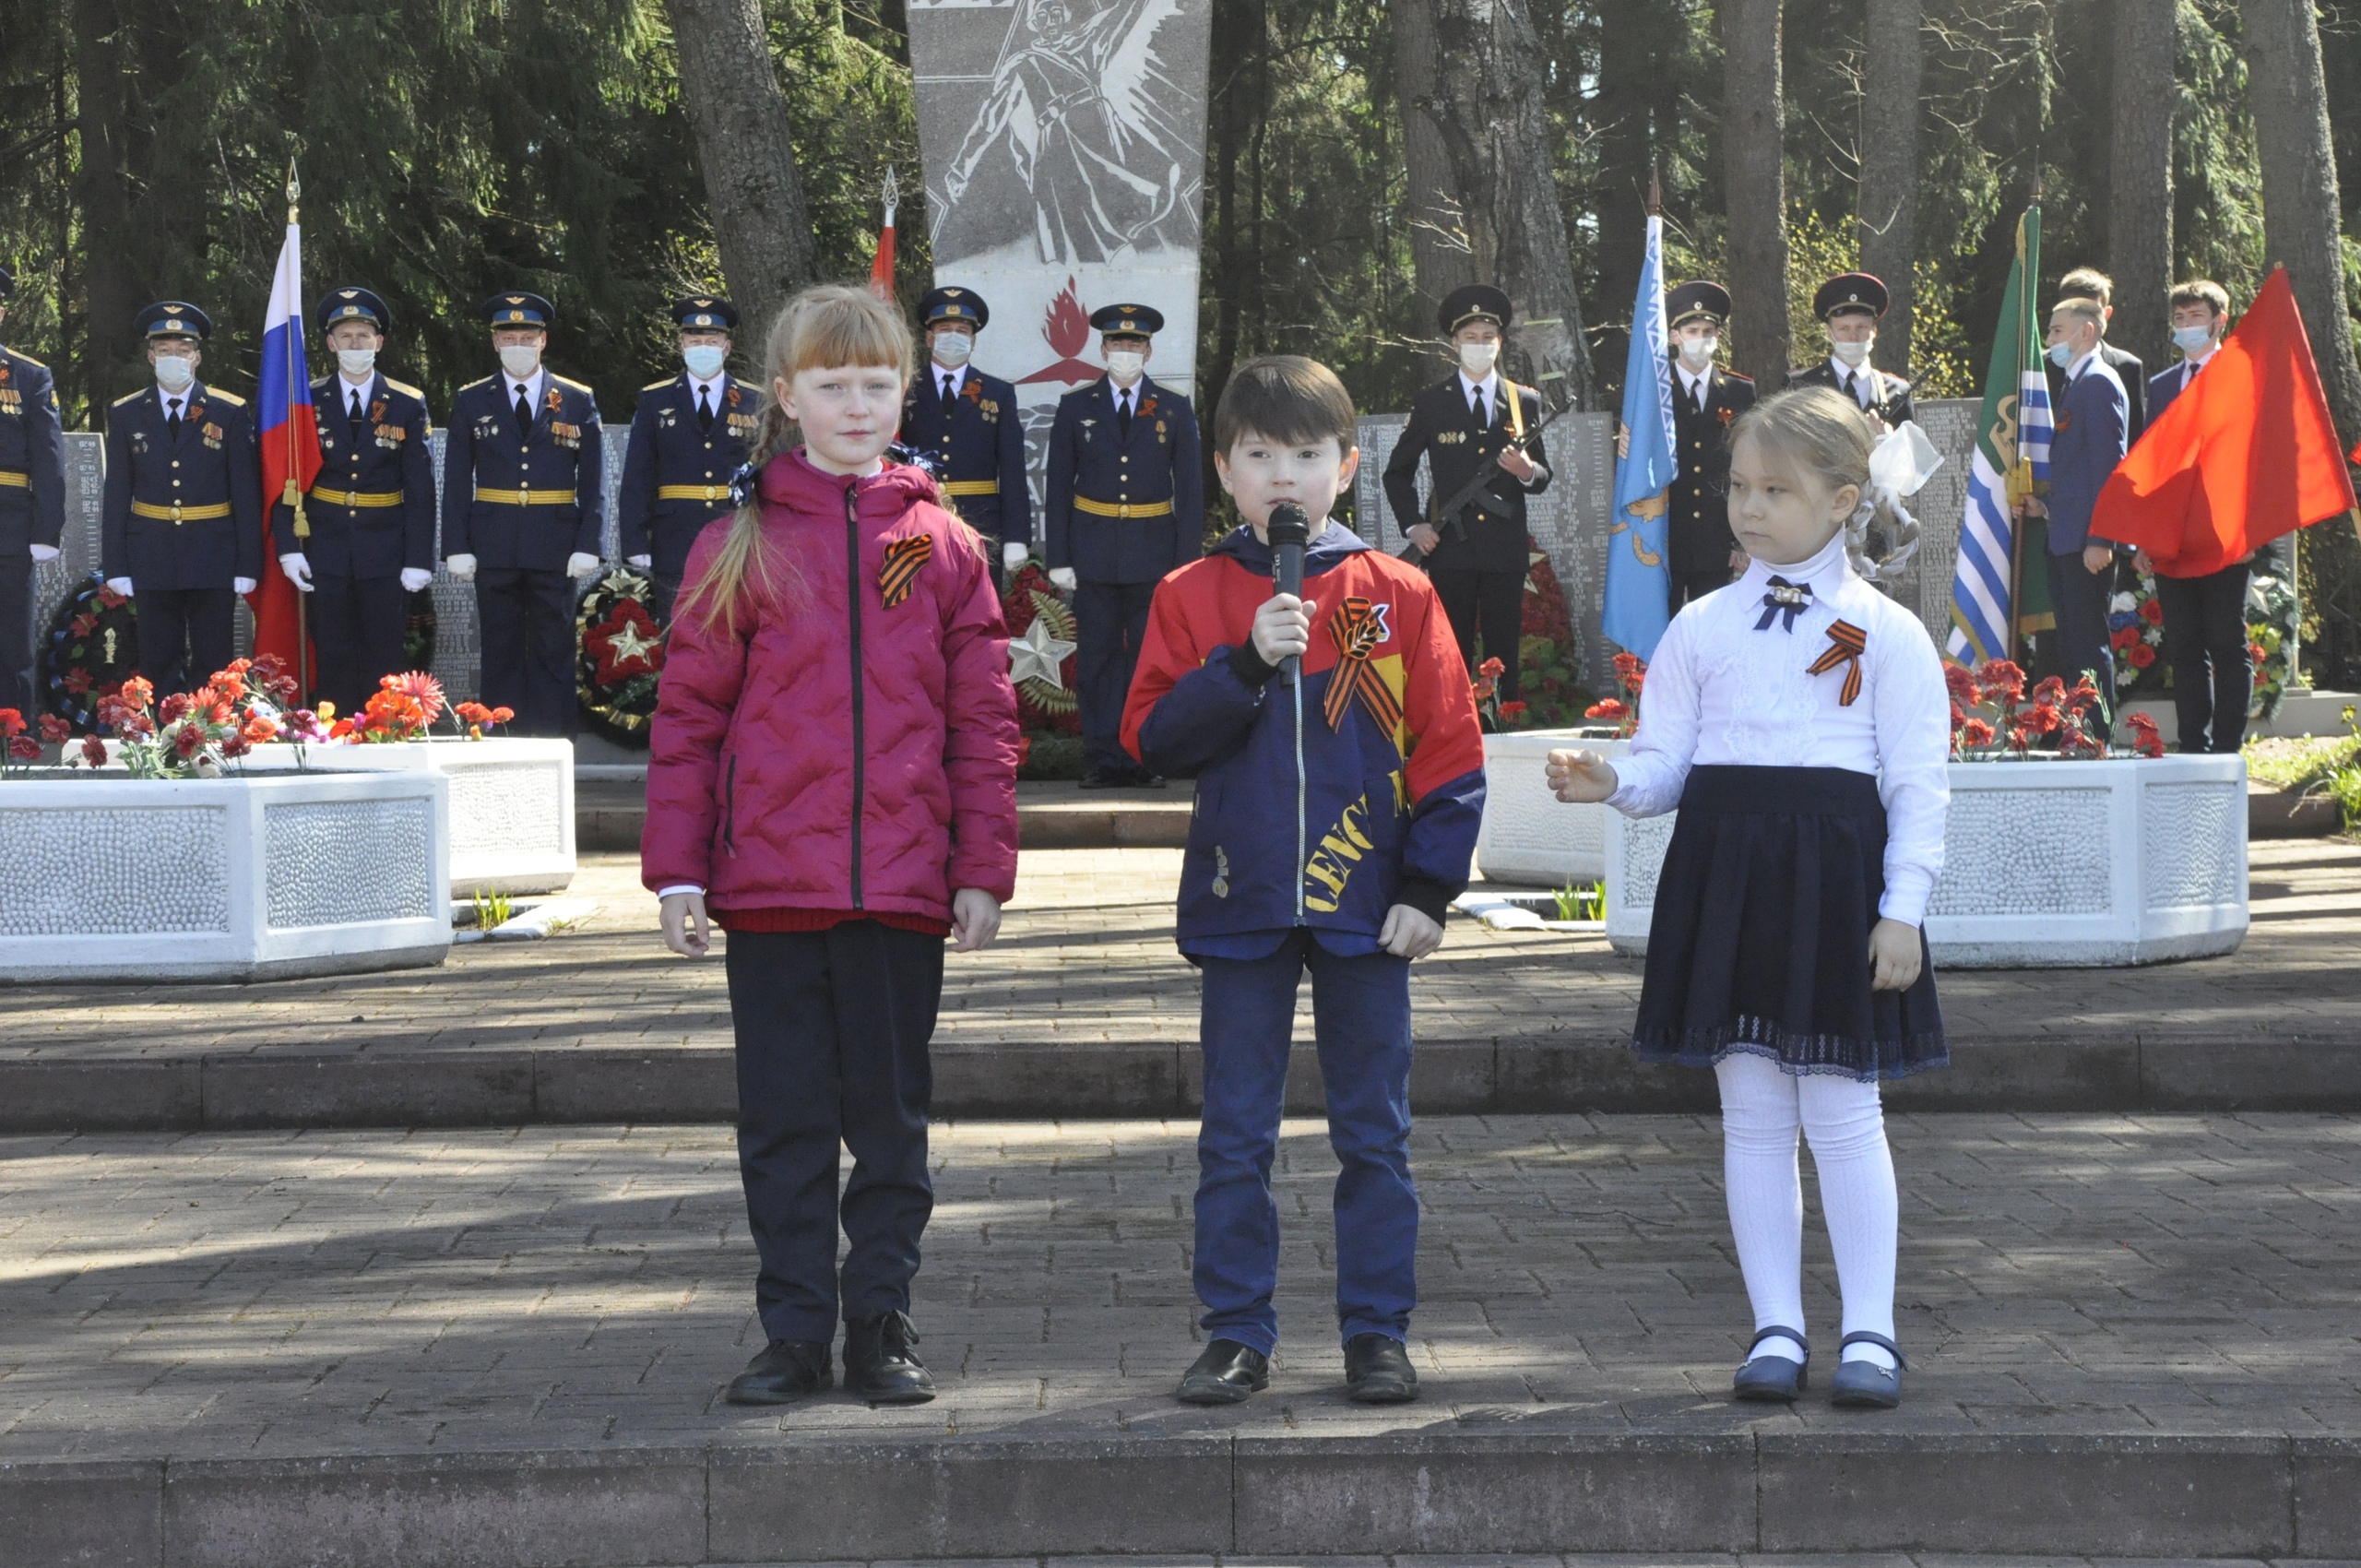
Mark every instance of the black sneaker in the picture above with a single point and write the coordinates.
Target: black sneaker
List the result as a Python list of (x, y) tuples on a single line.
[(1378, 1371), (1227, 1374), (785, 1372), (880, 1366)]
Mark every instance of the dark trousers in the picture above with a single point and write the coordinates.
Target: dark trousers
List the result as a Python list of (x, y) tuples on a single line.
[(1109, 622), (357, 625), (17, 689), (185, 634), (526, 619), (1690, 586), (832, 1029), (2205, 642), (1361, 1011), (1497, 598), (663, 592), (2077, 596)]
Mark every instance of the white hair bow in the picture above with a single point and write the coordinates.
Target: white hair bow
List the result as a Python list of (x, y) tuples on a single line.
[(1900, 465)]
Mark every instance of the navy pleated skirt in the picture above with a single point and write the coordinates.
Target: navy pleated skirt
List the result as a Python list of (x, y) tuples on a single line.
[(1761, 938)]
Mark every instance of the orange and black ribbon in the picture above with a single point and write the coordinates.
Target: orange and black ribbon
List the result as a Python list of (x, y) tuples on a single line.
[(903, 559), (1846, 642), (1358, 627)]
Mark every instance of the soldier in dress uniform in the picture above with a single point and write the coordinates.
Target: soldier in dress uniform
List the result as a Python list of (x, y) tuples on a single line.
[(522, 473), (180, 527), (1850, 305), (1126, 505), (689, 434), (1479, 558), (32, 505), (1705, 399), (970, 421), (368, 529)]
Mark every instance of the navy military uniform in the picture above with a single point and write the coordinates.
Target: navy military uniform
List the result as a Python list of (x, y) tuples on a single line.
[(370, 514), (1480, 561), (182, 517), (1125, 505), (1703, 408), (521, 493), (687, 437), (32, 506), (973, 432), (1883, 397)]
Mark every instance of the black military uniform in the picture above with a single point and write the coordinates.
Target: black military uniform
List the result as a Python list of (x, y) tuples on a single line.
[(970, 421), (1479, 564), (522, 471), (1884, 398), (1703, 408), (182, 519), (32, 506), (368, 516), (687, 437)]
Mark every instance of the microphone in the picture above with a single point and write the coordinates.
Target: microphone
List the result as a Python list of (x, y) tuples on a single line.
[(1290, 531)]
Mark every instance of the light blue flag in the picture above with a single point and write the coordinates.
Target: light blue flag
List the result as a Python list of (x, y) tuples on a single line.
[(1638, 584)]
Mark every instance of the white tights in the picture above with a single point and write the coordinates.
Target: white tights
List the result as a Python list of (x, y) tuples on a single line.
[(1761, 1107)]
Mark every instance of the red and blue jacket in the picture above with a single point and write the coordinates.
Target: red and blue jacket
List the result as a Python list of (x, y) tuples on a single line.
[(1320, 804)]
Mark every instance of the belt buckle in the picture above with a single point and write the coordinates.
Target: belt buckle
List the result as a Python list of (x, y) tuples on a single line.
[(523, 496), (715, 491), (176, 513)]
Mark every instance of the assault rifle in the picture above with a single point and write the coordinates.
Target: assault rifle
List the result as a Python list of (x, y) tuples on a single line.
[(1444, 514)]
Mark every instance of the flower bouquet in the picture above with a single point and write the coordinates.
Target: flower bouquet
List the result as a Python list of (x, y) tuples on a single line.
[(1993, 717), (1632, 674), (192, 734)]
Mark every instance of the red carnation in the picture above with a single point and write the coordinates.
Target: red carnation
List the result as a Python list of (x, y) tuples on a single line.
[(94, 751), (2152, 612), (1975, 732), (2142, 655), (1961, 687), (1512, 709), (56, 730), (1492, 668), (12, 723), (189, 740), (2002, 678), (176, 705), (76, 680), (24, 748), (1610, 707)]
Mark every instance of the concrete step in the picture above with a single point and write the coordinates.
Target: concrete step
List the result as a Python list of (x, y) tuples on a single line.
[(609, 812)]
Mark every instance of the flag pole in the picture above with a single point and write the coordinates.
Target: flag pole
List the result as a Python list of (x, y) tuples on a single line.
[(2024, 327), (292, 495)]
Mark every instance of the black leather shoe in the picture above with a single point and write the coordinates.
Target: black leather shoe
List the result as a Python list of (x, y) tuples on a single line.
[(1106, 778), (1865, 1385), (1378, 1371), (1226, 1374), (1772, 1380), (785, 1372), (1146, 778), (879, 1363)]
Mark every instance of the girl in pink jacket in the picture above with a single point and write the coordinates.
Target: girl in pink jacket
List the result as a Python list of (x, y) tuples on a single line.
[(832, 778)]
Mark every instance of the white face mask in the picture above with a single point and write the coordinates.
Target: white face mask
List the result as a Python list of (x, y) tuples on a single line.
[(1852, 354), (703, 359), (1699, 351), (1125, 364), (520, 361), (2061, 354), (356, 363), (175, 372), (2192, 340), (951, 349), (1477, 359)]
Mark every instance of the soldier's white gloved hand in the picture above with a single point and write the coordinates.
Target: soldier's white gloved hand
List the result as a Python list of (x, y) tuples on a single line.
[(580, 565), (242, 586), (1013, 556), (415, 578), (461, 567), (642, 561), (44, 552), (119, 585), (1063, 577), (298, 569)]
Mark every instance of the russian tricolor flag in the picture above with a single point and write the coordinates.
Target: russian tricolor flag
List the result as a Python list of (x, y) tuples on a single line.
[(291, 447)]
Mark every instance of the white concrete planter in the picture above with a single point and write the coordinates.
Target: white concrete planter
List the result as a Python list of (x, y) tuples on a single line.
[(264, 877), (1530, 838), (2046, 864)]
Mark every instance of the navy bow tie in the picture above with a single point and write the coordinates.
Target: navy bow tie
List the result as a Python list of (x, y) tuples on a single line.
[(1784, 598)]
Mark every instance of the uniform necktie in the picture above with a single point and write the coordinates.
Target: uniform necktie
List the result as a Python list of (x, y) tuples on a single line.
[(172, 418), (1475, 407), (950, 391), (1850, 389), (1697, 398), (354, 412), (1123, 413), (705, 409), (524, 413)]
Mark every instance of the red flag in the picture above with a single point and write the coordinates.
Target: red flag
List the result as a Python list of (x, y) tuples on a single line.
[(2245, 454), (881, 270)]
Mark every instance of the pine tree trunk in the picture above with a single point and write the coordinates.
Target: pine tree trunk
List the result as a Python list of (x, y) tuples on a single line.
[(1440, 251), (1889, 210), (102, 45), (752, 185), (1754, 125), (2140, 197), (1633, 106)]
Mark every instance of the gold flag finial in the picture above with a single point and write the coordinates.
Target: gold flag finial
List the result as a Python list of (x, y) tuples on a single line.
[(294, 188)]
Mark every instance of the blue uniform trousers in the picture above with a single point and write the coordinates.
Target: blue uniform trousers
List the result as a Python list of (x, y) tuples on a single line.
[(832, 1029), (18, 661), (185, 636), (357, 624), (525, 620), (1110, 624), (1361, 1009)]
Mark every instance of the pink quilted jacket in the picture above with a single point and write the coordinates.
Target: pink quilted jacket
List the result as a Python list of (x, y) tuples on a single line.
[(841, 752)]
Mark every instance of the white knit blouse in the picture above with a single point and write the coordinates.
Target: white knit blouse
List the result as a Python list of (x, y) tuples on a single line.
[(1721, 692)]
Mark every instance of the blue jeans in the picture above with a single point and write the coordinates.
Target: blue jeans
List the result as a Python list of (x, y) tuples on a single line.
[(1362, 1018)]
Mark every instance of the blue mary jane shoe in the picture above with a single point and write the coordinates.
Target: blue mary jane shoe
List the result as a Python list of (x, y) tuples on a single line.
[(1772, 1380), (1865, 1385)]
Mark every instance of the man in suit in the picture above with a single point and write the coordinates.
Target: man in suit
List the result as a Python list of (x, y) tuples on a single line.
[(970, 423), (1850, 305), (1705, 399), (365, 541), (688, 436), (1125, 505), (1478, 558), (2087, 443), (180, 524), (2090, 283), (521, 475), (32, 506)]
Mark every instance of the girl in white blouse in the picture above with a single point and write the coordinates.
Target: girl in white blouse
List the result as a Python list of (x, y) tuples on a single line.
[(1798, 721)]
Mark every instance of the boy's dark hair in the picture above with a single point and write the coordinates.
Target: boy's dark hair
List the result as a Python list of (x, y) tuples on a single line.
[(1287, 398), (2200, 291)]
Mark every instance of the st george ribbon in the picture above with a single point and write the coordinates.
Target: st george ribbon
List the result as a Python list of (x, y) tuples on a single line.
[(1065, 143)]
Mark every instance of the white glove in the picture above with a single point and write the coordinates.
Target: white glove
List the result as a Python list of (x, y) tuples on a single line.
[(44, 552), (415, 578), (580, 565), (1013, 556), (461, 567), (1063, 576), (642, 561), (242, 586), (298, 569), (119, 585)]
